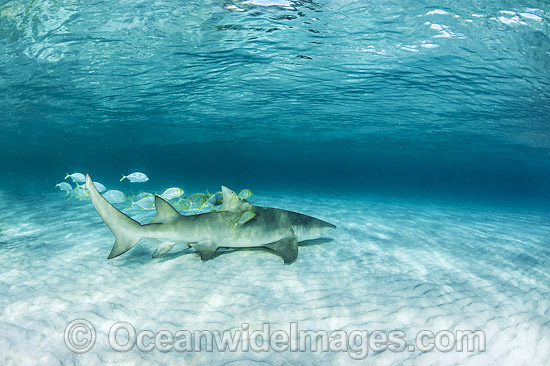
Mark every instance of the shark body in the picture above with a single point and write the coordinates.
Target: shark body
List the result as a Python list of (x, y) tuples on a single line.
[(276, 229)]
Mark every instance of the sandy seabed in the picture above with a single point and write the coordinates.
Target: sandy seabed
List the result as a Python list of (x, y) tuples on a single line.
[(390, 265)]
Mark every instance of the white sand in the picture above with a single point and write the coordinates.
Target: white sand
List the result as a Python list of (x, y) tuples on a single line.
[(390, 265)]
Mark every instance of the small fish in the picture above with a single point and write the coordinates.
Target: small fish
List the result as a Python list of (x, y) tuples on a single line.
[(197, 199), (64, 186), (79, 193), (76, 177), (182, 204), (216, 199), (244, 194), (206, 204), (114, 196), (172, 193), (135, 177), (146, 203), (141, 195), (100, 187), (245, 217)]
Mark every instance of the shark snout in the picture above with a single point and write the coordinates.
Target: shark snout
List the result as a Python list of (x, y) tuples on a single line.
[(321, 229), (327, 227), (312, 229)]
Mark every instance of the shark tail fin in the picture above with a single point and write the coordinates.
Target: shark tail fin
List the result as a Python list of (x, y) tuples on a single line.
[(126, 230)]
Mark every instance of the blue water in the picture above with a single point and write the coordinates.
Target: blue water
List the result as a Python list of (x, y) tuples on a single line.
[(420, 129), (443, 100)]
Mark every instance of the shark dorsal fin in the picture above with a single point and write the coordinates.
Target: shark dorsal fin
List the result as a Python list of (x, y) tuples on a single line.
[(232, 202), (165, 212)]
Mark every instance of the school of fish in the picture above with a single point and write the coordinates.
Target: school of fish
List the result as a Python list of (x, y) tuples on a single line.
[(74, 188)]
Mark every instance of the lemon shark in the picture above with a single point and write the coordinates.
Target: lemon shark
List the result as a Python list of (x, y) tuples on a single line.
[(273, 228)]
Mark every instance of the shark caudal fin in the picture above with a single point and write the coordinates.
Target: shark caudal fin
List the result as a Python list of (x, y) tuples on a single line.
[(125, 229)]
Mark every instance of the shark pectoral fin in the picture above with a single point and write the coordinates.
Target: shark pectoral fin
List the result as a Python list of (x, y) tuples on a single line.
[(287, 248), (163, 248), (165, 212), (206, 249)]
